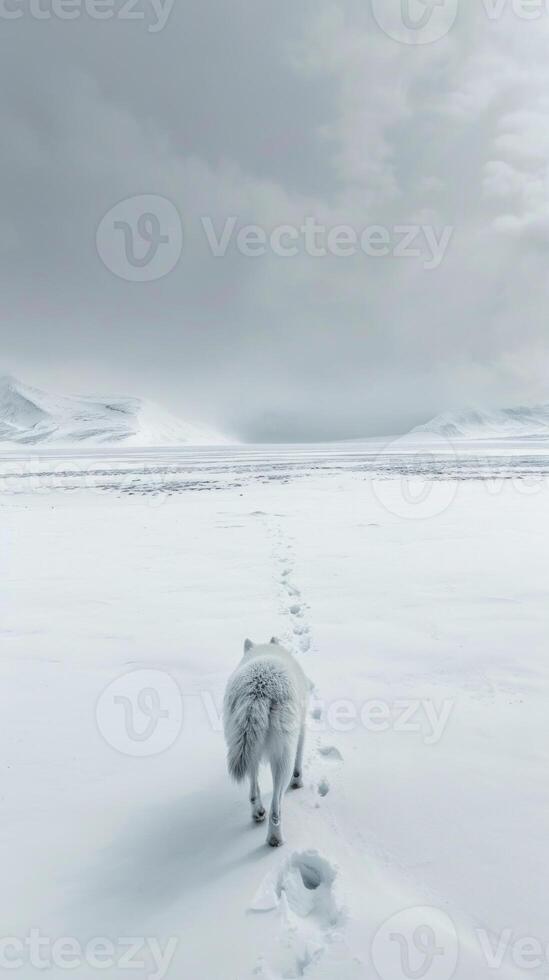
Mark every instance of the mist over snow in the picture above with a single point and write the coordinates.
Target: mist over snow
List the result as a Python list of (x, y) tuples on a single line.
[(32, 417)]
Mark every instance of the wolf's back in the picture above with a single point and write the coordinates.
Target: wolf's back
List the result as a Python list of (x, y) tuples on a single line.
[(252, 692)]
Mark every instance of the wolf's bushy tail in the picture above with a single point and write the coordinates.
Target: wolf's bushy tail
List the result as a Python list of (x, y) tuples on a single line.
[(246, 716)]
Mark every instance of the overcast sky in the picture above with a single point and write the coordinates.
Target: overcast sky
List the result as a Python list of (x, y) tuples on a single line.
[(242, 113)]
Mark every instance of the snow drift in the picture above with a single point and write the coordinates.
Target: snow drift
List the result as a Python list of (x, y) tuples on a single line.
[(519, 422), (30, 417)]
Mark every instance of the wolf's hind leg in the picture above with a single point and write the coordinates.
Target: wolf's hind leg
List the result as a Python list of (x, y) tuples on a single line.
[(258, 810), (297, 778), (281, 766)]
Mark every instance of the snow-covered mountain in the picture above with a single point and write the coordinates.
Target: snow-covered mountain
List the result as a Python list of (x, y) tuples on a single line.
[(519, 422), (30, 417)]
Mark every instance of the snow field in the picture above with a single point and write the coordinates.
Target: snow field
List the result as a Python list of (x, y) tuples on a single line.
[(411, 817)]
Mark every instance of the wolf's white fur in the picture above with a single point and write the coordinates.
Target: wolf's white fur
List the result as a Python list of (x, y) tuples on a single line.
[(264, 717)]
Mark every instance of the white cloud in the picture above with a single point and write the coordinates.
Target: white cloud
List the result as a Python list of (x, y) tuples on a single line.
[(309, 111)]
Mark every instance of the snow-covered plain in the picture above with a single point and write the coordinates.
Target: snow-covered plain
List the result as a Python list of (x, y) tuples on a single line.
[(414, 588)]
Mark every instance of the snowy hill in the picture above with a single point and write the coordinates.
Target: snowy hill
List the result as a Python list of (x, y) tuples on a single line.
[(478, 424), (30, 417)]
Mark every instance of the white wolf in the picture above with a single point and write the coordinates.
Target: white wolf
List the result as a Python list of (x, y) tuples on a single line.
[(264, 717)]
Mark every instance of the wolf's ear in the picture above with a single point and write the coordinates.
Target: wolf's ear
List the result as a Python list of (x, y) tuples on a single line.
[(247, 646), (274, 639)]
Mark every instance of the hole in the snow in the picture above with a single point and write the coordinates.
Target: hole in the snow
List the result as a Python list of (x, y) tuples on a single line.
[(312, 877)]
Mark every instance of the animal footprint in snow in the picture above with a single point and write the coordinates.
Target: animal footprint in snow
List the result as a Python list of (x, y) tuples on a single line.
[(295, 610), (323, 787), (300, 629), (305, 890), (307, 881), (330, 752), (305, 884), (292, 590)]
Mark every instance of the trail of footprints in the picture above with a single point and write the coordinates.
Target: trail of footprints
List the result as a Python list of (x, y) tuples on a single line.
[(304, 889), (295, 609), (294, 606)]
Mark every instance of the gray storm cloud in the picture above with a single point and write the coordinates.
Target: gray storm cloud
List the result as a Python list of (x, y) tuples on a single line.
[(274, 118)]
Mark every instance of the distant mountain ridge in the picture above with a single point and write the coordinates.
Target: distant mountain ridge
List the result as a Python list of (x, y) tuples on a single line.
[(521, 422), (31, 417)]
